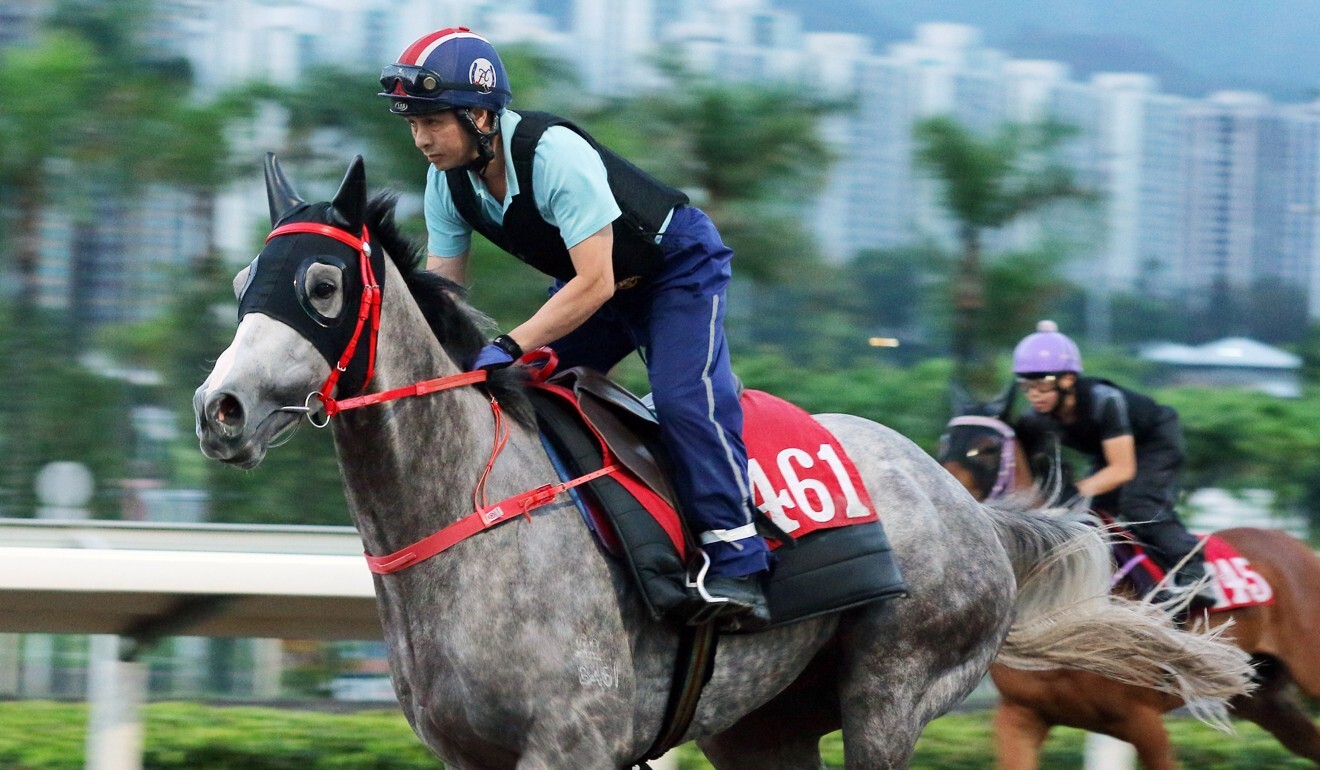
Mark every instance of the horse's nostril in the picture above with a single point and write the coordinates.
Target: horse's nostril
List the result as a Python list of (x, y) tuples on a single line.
[(227, 411)]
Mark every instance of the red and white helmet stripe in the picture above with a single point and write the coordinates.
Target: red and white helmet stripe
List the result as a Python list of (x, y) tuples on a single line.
[(416, 53)]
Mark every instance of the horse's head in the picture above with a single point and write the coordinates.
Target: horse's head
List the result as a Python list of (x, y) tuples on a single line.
[(979, 446), (310, 311)]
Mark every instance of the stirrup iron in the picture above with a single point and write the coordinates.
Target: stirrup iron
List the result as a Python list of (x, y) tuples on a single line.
[(714, 605)]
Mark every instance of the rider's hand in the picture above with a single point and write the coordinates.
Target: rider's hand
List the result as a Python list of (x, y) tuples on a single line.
[(491, 357), (498, 353)]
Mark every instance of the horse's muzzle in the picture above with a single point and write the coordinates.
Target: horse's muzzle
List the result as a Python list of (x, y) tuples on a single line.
[(227, 430)]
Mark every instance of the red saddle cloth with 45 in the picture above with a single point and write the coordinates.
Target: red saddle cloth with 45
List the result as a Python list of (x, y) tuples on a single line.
[(801, 478), (1235, 583)]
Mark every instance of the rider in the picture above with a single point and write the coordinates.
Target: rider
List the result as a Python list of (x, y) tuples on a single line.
[(635, 268), (1135, 445)]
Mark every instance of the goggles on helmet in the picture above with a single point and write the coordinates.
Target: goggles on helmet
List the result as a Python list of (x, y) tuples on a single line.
[(421, 82), (1041, 383)]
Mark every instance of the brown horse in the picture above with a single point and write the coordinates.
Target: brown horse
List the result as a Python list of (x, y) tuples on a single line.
[(982, 451)]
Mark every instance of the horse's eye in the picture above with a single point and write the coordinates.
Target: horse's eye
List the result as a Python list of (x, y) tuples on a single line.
[(319, 287)]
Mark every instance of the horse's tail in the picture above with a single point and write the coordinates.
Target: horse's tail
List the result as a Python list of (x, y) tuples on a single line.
[(1066, 617)]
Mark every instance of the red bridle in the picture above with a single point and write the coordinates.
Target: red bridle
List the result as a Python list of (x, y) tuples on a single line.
[(485, 515), (368, 310)]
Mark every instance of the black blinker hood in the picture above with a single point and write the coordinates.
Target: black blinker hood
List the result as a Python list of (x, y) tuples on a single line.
[(275, 284)]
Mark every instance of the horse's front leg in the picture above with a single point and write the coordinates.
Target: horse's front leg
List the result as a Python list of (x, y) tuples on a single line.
[(1019, 733)]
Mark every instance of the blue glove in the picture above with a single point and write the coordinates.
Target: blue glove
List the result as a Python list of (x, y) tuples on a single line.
[(491, 357)]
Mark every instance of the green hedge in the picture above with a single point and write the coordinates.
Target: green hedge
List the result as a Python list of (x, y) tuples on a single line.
[(37, 735), (188, 736)]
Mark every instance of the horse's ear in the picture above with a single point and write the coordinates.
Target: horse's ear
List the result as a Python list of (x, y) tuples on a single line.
[(1002, 406), (351, 200), (960, 401), (279, 192)]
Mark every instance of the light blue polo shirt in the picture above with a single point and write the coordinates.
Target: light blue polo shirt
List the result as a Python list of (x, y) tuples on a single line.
[(571, 187)]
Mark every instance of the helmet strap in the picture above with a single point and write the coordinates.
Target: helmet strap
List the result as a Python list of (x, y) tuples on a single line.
[(485, 139)]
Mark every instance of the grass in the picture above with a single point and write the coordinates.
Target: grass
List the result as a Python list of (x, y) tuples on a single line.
[(38, 735)]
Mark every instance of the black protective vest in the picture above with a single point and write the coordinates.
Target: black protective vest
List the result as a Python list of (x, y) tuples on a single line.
[(1086, 433), (644, 201)]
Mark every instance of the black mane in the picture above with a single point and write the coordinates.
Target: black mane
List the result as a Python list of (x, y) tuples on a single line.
[(454, 323)]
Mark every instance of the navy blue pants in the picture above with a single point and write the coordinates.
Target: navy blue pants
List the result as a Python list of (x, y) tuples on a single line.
[(676, 323)]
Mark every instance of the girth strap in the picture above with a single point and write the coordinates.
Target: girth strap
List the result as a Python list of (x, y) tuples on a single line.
[(693, 666)]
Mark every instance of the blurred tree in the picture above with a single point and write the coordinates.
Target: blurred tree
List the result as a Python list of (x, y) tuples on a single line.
[(1142, 318), (1020, 286), (35, 130), (44, 143), (809, 321), (186, 146), (88, 109), (753, 154), (988, 183), (1309, 350), (1238, 439), (753, 157), (1219, 314), (122, 118), (56, 410), (1270, 310), (892, 284), (1276, 311)]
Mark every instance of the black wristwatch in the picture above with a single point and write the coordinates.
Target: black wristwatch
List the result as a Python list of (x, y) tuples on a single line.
[(506, 343)]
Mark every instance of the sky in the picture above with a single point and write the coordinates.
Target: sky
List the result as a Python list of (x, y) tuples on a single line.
[(1197, 45)]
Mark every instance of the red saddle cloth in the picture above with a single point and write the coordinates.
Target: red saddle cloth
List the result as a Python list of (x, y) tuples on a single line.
[(1235, 583), (801, 477)]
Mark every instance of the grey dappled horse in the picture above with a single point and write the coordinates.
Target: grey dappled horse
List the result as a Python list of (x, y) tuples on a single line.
[(524, 647)]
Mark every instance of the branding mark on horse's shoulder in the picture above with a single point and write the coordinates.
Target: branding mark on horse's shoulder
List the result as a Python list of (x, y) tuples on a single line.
[(594, 669)]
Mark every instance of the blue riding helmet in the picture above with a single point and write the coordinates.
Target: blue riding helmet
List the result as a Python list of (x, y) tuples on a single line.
[(450, 68)]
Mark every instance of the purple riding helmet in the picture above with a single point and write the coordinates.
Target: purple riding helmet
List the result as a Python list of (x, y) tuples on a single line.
[(1045, 352)]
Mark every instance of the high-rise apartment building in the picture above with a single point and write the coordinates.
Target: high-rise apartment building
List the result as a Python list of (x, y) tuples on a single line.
[(866, 203), (1301, 215), (1233, 190), (1138, 178)]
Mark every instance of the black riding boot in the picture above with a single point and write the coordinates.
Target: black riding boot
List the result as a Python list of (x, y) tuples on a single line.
[(1191, 579), (745, 608)]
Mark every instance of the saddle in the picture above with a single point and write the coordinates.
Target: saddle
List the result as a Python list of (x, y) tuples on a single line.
[(588, 421), (1235, 584)]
